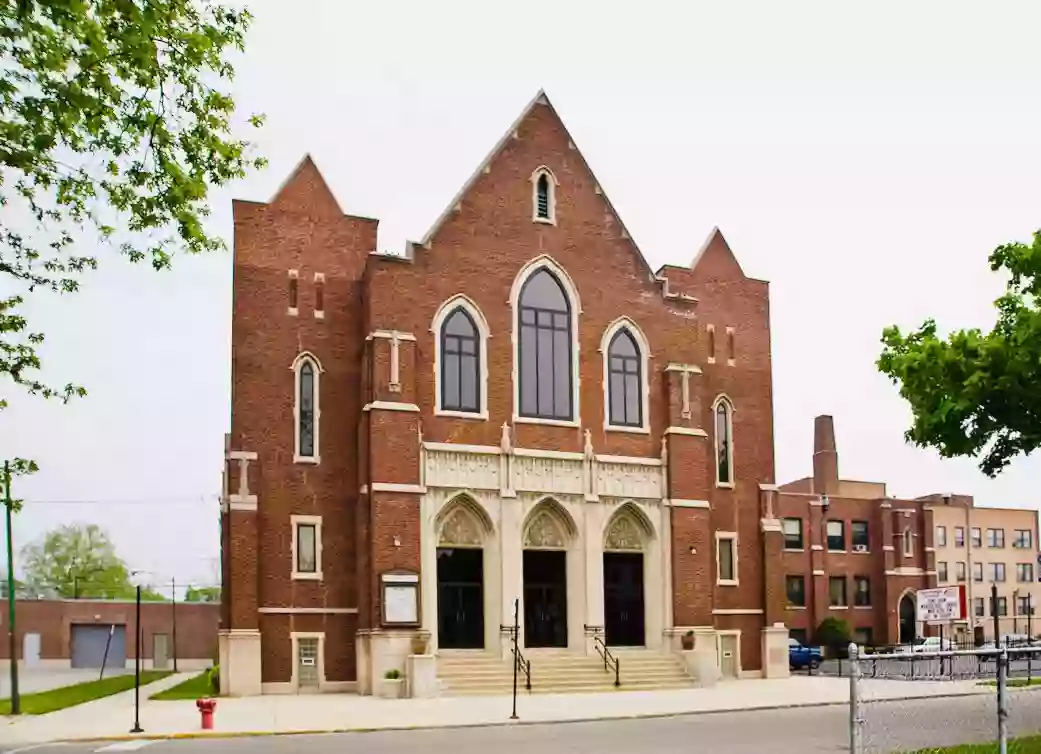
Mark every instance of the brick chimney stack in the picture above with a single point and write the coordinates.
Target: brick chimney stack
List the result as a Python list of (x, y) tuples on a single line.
[(825, 457)]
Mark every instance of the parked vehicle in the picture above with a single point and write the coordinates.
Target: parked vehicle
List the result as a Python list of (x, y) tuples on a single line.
[(802, 657), (927, 644)]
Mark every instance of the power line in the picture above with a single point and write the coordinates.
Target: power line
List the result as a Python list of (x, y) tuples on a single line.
[(166, 501)]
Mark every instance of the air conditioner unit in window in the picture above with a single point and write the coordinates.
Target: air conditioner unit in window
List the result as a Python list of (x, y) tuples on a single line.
[(859, 548)]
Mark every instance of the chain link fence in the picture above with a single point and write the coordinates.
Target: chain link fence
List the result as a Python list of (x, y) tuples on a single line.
[(979, 696)]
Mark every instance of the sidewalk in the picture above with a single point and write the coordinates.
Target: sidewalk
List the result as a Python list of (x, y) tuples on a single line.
[(114, 716)]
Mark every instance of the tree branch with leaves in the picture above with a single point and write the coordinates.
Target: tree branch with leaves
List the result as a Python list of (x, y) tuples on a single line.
[(113, 129), (977, 393)]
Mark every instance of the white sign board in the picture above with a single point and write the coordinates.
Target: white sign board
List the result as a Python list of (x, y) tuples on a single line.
[(941, 605)]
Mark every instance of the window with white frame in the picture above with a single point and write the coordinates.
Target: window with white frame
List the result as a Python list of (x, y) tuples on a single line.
[(307, 547), (837, 591), (460, 363), (544, 200), (792, 533), (997, 572), (726, 558), (836, 531), (941, 536), (624, 387), (545, 348), (724, 442), (306, 411), (908, 543)]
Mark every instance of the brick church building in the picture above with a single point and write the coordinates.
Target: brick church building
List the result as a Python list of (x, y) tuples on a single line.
[(517, 411)]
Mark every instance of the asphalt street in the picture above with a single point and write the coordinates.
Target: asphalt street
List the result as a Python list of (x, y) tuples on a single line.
[(888, 726)]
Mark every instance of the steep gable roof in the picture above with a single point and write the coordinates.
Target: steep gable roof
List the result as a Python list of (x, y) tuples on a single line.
[(715, 258), (540, 99), (305, 189)]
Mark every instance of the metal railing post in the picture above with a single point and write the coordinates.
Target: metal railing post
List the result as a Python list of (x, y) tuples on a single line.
[(856, 742), (1003, 700)]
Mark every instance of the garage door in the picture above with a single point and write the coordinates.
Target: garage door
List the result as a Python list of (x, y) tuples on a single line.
[(88, 646)]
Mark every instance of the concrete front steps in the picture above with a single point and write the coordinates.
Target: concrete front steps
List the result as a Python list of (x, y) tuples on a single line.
[(559, 672)]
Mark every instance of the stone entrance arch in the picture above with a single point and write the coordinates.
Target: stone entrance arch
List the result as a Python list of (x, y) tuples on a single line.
[(626, 538)]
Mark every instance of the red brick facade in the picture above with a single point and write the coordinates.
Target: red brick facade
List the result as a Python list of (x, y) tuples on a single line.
[(707, 326)]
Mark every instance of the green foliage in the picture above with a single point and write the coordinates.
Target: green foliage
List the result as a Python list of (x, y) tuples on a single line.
[(393, 674), (76, 561), (833, 634), (202, 594), (69, 696), (113, 128), (975, 393)]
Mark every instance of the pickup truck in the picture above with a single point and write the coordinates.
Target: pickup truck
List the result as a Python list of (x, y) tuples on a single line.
[(801, 657)]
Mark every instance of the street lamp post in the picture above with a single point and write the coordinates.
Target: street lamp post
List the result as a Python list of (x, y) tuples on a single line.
[(137, 654), (12, 645)]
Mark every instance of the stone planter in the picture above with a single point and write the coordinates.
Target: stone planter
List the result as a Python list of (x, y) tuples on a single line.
[(392, 687)]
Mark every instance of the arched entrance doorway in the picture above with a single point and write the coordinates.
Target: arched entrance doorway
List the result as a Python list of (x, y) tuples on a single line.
[(908, 619), (624, 610), (460, 576), (547, 536)]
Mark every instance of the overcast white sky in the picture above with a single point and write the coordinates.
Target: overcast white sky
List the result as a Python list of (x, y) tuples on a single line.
[(864, 160)]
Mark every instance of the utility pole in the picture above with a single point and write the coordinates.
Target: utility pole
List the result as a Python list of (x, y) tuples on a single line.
[(173, 608), (137, 665), (994, 613), (12, 645)]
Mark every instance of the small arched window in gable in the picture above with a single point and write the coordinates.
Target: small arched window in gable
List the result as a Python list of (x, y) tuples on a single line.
[(460, 363), (544, 199), (624, 389), (724, 443)]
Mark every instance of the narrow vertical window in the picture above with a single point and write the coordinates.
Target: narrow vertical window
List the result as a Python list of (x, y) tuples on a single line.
[(306, 553), (624, 389), (543, 196), (319, 295), (726, 558), (908, 543), (306, 408), (731, 353), (724, 443), (711, 330), (460, 363), (293, 285)]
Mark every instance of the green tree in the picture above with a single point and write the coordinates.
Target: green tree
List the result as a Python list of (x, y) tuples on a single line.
[(976, 393), (75, 561), (833, 635), (202, 594), (113, 128)]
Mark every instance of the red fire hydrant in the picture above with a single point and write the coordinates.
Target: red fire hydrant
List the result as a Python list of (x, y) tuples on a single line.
[(206, 708)]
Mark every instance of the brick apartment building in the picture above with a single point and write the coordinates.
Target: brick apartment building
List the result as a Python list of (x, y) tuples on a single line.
[(853, 552)]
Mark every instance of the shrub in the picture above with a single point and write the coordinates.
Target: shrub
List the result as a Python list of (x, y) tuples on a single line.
[(213, 674), (833, 634), (392, 675)]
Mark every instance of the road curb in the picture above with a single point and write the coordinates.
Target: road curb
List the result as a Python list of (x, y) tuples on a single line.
[(495, 724)]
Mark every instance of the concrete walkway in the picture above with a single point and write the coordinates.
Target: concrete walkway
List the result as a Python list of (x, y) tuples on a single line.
[(114, 716)]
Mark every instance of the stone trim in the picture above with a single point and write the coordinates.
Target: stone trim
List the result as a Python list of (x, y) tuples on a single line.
[(416, 489), (390, 335), (691, 431), (679, 502), (737, 611), (295, 522), (391, 406), (625, 323), (461, 301), (307, 610)]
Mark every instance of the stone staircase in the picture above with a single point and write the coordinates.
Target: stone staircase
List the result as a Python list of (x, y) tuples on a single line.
[(481, 673)]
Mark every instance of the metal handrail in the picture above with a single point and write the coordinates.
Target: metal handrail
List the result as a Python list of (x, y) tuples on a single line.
[(523, 665), (609, 659)]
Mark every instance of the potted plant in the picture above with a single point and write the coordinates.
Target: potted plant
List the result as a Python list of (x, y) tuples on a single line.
[(419, 645), (392, 683), (687, 640)]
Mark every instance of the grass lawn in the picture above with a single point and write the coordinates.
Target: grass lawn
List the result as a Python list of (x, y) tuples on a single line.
[(1016, 683), (1030, 745), (198, 687), (43, 702)]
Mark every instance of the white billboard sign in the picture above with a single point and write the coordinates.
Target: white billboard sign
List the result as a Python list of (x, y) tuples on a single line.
[(941, 605)]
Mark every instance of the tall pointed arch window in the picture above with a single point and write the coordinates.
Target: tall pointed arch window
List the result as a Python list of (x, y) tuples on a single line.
[(306, 412), (624, 389), (460, 363), (724, 421), (545, 348)]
